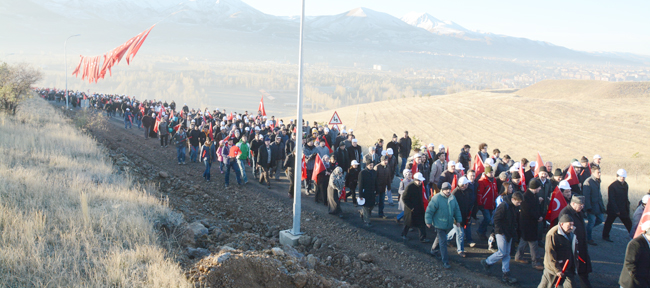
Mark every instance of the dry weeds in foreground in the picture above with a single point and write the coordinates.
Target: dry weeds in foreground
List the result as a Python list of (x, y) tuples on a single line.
[(65, 219)]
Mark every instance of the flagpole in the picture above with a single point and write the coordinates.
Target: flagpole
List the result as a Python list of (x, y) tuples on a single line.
[(297, 176)]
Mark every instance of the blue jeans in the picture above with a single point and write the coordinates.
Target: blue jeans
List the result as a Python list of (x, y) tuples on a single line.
[(502, 254), (459, 232), (180, 153), (194, 153), (127, 123), (221, 165), (138, 122), (487, 218), (206, 173), (400, 215), (593, 221), (468, 232), (235, 167), (242, 167), (404, 160), (441, 243)]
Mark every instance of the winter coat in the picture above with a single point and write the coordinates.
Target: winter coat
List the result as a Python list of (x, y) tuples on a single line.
[(636, 218), (402, 187), (392, 164), (635, 272), (263, 157), (343, 158), (484, 156), (464, 158), (593, 197), (322, 151), (355, 153), (442, 212), (436, 169), (278, 150), (352, 177), (383, 177), (368, 186), (446, 177), (371, 157), (245, 150), (395, 146), (487, 193), (413, 205), (529, 216), (405, 147), (310, 153), (148, 121), (581, 235), (505, 220), (559, 249), (180, 139), (465, 203), (618, 201), (546, 193), (162, 128), (205, 155)]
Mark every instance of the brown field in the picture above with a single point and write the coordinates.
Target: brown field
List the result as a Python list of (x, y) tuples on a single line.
[(544, 117)]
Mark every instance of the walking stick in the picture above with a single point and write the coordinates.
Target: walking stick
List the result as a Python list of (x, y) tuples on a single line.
[(563, 269)]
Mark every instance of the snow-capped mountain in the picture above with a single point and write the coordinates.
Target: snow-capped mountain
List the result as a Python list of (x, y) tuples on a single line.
[(433, 25)]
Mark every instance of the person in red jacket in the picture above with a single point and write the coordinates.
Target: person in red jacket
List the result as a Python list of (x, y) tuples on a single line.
[(485, 199)]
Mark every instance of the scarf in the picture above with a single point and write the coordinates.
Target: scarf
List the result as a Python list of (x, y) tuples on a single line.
[(337, 181)]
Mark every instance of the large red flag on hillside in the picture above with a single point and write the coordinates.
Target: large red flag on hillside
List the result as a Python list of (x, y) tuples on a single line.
[(645, 217), (478, 167), (571, 176), (556, 205), (522, 184), (304, 168), (261, 107), (318, 167), (539, 165)]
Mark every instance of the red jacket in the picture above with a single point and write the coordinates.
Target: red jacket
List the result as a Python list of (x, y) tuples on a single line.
[(487, 193)]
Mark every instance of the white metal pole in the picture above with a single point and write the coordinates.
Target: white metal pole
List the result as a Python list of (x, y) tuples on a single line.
[(297, 177), (65, 56)]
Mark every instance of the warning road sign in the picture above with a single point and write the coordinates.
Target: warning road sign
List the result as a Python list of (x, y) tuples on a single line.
[(335, 119)]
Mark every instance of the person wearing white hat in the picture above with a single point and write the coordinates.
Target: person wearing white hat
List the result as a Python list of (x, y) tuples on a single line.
[(414, 208), (354, 150), (466, 202), (367, 191), (351, 178), (638, 213), (637, 260), (594, 205), (447, 175), (618, 204), (127, 119)]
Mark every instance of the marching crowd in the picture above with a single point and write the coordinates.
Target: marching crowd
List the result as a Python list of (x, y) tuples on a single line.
[(529, 204)]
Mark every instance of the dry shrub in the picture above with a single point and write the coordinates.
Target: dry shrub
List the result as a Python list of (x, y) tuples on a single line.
[(65, 219)]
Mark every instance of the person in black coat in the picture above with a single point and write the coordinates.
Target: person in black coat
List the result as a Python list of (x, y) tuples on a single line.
[(394, 144), (466, 202), (265, 161), (367, 191), (351, 179), (505, 229), (530, 216), (289, 169), (148, 122), (343, 157), (414, 207), (464, 158), (404, 149), (618, 204), (636, 268), (574, 209)]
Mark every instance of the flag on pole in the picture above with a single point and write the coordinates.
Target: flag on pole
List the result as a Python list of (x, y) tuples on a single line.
[(425, 197), (556, 205), (261, 107), (304, 168), (414, 168), (539, 165), (571, 176), (454, 183), (319, 166), (447, 155), (478, 167), (522, 184), (210, 132), (645, 217)]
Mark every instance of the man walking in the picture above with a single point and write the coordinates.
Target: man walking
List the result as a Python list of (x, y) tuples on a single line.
[(574, 209), (593, 203), (277, 149), (367, 191), (383, 183), (618, 204), (505, 228), (230, 160), (180, 139), (265, 162), (245, 149), (414, 208), (530, 217), (560, 248), (442, 211), (405, 149), (466, 202), (637, 260)]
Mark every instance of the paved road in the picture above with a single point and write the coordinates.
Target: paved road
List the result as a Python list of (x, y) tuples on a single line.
[(607, 258)]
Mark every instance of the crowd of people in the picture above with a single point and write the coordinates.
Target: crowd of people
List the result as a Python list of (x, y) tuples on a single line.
[(514, 198)]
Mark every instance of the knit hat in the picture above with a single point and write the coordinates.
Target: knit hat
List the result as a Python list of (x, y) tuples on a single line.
[(394, 135), (534, 184), (446, 186), (565, 219), (584, 160), (578, 199), (558, 172)]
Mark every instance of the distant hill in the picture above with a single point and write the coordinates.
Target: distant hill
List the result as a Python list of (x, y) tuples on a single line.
[(586, 89)]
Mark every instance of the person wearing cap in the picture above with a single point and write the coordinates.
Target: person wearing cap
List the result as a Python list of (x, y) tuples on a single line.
[(557, 177), (635, 272), (618, 204), (437, 168), (586, 172), (447, 175), (354, 151), (505, 229), (465, 204), (560, 247), (596, 161), (414, 207), (180, 139), (128, 119), (367, 191), (530, 173), (372, 156), (566, 191), (265, 161), (395, 146), (383, 183), (407, 178), (404, 149), (574, 209), (529, 218), (351, 181), (230, 160), (441, 213), (486, 195), (594, 205), (464, 157)]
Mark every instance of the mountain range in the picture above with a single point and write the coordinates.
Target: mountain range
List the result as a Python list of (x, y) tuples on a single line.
[(233, 30)]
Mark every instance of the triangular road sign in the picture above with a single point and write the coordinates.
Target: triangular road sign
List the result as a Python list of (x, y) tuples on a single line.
[(335, 119)]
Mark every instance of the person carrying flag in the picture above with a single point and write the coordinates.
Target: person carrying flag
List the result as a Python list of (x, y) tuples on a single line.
[(560, 257), (574, 209), (230, 160)]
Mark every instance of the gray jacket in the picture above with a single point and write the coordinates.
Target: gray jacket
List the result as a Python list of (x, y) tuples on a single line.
[(593, 197)]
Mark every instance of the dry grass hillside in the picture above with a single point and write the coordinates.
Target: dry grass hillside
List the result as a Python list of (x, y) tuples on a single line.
[(586, 90), (66, 220), (559, 128)]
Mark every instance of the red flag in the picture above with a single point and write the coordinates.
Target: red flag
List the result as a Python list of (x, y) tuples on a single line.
[(318, 167), (571, 176), (181, 113), (343, 196), (304, 168), (539, 165), (76, 70), (177, 127), (155, 127), (556, 205), (234, 152), (327, 144), (171, 116), (230, 116), (645, 217), (210, 132), (425, 197), (261, 107), (523, 179), (478, 167), (453, 183), (142, 110), (414, 168), (137, 47), (447, 155)]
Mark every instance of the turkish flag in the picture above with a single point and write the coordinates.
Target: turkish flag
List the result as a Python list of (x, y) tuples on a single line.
[(230, 116), (304, 168), (177, 127), (454, 183), (234, 152), (133, 51), (478, 167), (210, 132), (414, 168), (539, 165), (327, 144), (571, 176), (447, 155), (158, 120), (645, 217), (425, 197), (556, 205), (318, 167), (523, 178), (76, 70), (261, 107), (171, 115)]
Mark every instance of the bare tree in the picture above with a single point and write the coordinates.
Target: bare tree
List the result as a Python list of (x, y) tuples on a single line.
[(15, 84)]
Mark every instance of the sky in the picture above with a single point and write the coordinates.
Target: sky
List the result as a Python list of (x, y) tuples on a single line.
[(585, 25)]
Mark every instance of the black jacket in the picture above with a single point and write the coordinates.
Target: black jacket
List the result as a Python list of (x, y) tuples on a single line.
[(405, 147), (413, 205), (195, 137), (505, 220), (148, 121), (352, 178), (395, 146), (464, 158), (343, 158), (618, 201), (465, 203), (368, 186), (529, 215), (636, 273), (584, 265), (262, 158), (354, 153)]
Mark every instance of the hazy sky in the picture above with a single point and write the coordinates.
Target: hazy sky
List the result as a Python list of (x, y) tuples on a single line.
[(587, 25)]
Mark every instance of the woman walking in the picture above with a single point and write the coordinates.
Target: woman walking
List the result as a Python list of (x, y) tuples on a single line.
[(206, 157), (334, 189)]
